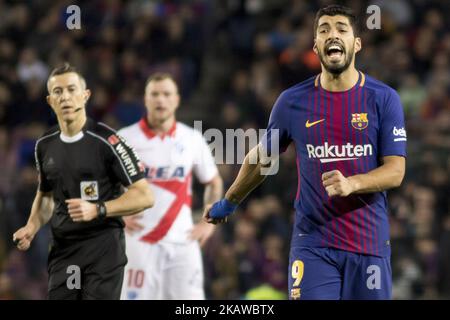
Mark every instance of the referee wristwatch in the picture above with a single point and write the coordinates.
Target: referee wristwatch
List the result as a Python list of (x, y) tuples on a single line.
[(101, 210)]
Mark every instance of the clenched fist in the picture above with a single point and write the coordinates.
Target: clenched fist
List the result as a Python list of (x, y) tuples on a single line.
[(81, 210), (336, 184), (23, 237)]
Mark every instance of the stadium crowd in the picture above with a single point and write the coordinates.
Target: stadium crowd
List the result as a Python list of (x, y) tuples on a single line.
[(232, 59)]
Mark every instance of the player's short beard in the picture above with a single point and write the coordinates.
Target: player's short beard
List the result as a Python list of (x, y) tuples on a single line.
[(161, 119), (337, 69)]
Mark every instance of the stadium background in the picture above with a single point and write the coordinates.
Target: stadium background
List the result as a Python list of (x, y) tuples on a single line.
[(232, 58)]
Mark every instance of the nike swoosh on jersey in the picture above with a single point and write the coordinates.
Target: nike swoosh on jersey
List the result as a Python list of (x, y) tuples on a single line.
[(310, 124)]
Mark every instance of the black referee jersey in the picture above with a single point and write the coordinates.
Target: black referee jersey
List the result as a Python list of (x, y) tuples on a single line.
[(93, 166)]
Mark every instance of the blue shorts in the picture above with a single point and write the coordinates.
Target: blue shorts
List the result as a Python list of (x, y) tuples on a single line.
[(332, 274)]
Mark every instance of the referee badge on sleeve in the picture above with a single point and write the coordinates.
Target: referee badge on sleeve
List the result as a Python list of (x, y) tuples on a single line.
[(89, 190)]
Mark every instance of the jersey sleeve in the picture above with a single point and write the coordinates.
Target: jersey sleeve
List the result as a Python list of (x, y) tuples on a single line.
[(44, 184), (125, 163), (205, 168), (392, 138), (278, 133)]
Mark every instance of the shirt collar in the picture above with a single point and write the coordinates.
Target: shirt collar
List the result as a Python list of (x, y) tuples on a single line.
[(72, 139), (150, 134)]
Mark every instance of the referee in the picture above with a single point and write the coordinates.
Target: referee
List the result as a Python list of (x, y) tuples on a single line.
[(83, 167)]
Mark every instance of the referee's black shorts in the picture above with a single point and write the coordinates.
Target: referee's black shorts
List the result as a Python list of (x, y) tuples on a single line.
[(87, 269)]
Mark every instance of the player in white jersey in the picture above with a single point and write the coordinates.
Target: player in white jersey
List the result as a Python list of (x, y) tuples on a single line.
[(163, 244)]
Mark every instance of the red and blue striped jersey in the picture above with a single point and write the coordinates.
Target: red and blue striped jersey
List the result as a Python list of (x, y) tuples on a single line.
[(347, 131)]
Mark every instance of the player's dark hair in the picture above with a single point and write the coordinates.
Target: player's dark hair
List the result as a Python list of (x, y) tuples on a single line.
[(337, 10), (160, 76), (65, 68)]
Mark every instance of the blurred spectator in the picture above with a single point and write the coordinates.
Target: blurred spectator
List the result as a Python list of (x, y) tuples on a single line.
[(249, 254), (30, 67), (8, 161), (412, 95), (127, 109)]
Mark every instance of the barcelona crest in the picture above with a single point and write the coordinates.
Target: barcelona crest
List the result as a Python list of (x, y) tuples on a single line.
[(295, 293), (360, 121)]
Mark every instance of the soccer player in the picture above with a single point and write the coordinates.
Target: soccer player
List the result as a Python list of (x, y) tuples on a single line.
[(163, 244), (349, 136), (83, 167)]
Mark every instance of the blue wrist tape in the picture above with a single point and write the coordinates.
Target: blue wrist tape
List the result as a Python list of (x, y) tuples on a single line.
[(222, 209)]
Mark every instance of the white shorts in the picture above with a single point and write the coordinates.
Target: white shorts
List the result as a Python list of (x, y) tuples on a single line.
[(163, 271)]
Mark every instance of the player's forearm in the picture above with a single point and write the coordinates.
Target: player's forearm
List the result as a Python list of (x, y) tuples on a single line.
[(249, 177), (387, 176), (127, 212), (41, 210), (137, 198), (213, 191)]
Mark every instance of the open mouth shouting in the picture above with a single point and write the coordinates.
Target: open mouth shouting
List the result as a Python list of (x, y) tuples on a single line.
[(334, 51)]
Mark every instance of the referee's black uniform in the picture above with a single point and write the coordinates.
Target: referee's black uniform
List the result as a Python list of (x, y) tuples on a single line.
[(92, 165)]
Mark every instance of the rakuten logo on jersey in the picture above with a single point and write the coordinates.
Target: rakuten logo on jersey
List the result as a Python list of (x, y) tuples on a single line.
[(333, 153), (399, 133)]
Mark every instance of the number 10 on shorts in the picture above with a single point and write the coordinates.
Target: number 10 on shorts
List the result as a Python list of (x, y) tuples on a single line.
[(135, 278)]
